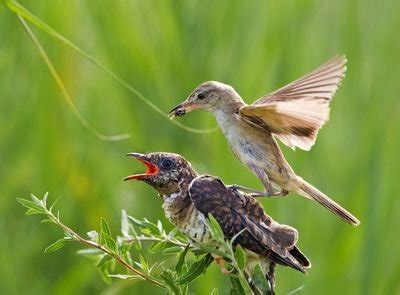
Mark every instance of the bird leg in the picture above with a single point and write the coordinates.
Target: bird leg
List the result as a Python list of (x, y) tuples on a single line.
[(269, 188), (258, 193), (271, 278)]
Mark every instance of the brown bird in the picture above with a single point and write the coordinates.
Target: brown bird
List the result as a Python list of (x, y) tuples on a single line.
[(188, 199), (293, 113)]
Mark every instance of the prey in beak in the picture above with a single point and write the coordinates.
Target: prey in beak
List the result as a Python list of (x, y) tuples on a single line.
[(181, 109), (152, 169)]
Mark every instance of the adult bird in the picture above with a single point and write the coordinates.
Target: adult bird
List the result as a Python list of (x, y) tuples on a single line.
[(189, 198), (293, 113)]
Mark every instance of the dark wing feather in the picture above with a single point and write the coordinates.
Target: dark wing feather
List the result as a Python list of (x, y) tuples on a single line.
[(296, 112), (235, 211)]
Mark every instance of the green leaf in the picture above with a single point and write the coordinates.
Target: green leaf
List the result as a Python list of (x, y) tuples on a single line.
[(31, 205), (44, 200), (142, 264), (240, 257), (168, 278), (32, 212), (237, 288), (105, 273), (90, 253), (181, 259), (105, 236), (157, 247), (37, 201), (146, 226), (155, 266), (105, 228), (214, 292), (47, 221), (125, 277), (106, 258), (124, 224), (137, 243), (93, 235), (55, 246), (258, 279), (215, 228), (195, 270), (172, 250)]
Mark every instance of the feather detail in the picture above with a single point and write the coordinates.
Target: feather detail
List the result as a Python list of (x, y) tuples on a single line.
[(296, 112), (235, 211)]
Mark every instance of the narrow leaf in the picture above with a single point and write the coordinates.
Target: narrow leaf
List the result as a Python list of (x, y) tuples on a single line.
[(105, 228), (237, 288), (55, 246), (124, 224), (157, 247), (181, 259), (32, 212), (106, 258), (172, 250), (105, 236), (125, 277), (168, 278), (240, 257), (31, 205), (195, 270), (215, 228), (258, 279)]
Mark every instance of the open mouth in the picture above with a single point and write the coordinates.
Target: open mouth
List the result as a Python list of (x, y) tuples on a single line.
[(152, 169)]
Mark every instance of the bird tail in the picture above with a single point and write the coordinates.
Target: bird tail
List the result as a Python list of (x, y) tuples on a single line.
[(300, 257), (307, 190)]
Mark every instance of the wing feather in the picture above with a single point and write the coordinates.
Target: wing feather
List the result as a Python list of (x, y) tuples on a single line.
[(296, 112), (235, 212)]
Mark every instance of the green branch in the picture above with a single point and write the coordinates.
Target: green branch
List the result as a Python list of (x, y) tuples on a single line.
[(192, 260)]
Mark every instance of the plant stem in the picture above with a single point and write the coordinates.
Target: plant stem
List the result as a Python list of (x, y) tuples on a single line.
[(154, 239), (93, 244)]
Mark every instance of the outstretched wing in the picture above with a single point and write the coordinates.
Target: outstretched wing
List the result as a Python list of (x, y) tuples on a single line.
[(296, 112), (235, 212)]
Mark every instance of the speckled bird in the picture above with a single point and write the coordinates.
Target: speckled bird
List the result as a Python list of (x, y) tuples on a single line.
[(293, 113), (189, 198)]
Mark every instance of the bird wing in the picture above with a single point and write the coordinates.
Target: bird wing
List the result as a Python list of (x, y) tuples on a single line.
[(296, 112), (235, 211)]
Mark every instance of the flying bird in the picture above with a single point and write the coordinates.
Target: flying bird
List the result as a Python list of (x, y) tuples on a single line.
[(293, 113), (189, 198)]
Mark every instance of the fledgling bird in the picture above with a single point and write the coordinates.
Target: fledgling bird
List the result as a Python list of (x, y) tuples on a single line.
[(188, 199), (293, 113)]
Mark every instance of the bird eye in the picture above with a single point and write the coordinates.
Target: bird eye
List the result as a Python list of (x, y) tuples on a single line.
[(167, 164), (201, 96)]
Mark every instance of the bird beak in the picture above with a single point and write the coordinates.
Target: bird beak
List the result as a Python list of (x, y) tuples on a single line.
[(152, 169), (182, 109)]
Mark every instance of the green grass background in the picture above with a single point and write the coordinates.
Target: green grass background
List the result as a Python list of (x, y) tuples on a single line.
[(165, 48)]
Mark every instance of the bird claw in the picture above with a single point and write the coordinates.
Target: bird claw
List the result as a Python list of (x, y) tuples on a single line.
[(221, 263)]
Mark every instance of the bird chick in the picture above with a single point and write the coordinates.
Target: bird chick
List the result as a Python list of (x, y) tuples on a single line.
[(189, 198)]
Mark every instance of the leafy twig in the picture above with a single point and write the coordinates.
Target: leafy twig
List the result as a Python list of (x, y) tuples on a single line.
[(37, 206), (192, 260)]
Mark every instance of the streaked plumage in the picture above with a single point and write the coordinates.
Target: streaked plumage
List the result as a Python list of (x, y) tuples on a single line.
[(188, 199), (293, 113)]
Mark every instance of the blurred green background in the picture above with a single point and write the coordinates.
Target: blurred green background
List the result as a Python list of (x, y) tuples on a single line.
[(164, 49)]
